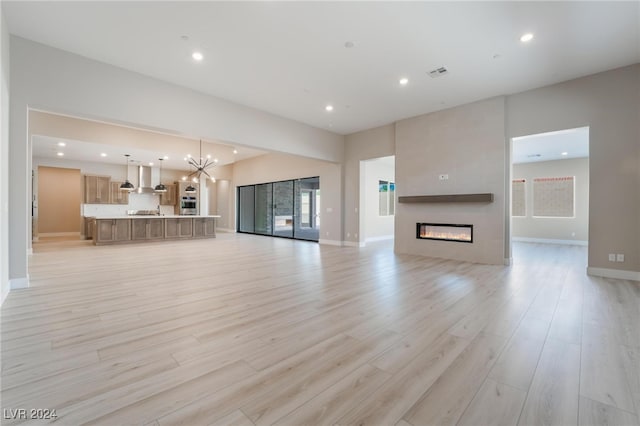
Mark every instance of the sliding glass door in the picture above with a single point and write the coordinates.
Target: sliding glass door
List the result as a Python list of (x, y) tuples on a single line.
[(289, 209)]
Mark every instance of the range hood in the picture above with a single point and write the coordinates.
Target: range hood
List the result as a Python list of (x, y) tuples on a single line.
[(145, 182)]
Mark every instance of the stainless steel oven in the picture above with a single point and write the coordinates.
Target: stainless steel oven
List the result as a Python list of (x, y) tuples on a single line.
[(188, 206)]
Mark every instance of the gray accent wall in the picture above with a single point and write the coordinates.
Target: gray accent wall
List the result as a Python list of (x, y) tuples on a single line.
[(467, 143)]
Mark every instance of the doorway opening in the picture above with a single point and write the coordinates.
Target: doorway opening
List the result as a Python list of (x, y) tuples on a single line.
[(287, 209), (377, 199), (550, 190)]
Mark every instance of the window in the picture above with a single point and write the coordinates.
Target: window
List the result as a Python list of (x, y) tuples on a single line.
[(387, 197), (553, 196), (518, 200)]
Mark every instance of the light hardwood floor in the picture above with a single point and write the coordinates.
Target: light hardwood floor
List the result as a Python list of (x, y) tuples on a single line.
[(249, 330)]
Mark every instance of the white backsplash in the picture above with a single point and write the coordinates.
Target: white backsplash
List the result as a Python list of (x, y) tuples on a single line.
[(136, 202)]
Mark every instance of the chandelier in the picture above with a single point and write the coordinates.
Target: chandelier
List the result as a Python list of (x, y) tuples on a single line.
[(201, 166)]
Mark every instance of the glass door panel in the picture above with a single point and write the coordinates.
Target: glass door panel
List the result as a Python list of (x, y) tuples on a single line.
[(283, 209), (246, 202), (307, 203), (263, 209)]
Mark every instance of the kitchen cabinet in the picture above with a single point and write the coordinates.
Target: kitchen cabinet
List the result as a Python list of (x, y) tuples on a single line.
[(89, 227), (112, 231), (147, 229), (204, 227), (96, 189), (178, 227), (169, 198), (117, 196)]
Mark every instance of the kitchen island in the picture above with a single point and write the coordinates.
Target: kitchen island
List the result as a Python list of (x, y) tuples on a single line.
[(131, 229)]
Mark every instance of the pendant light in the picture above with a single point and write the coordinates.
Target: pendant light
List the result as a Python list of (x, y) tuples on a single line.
[(160, 187), (127, 186), (190, 189)]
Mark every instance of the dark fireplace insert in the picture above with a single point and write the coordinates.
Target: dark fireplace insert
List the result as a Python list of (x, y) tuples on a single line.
[(444, 232)]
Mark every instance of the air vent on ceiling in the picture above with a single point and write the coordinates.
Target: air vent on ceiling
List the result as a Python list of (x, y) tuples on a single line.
[(438, 72), (533, 155)]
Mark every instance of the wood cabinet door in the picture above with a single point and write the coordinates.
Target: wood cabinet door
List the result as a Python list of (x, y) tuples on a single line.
[(168, 198), (185, 227), (104, 230), (138, 229), (209, 227), (97, 189), (122, 230), (117, 196), (155, 229), (198, 227), (171, 228)]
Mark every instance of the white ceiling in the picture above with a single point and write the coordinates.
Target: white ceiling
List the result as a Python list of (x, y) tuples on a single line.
[(550, 146), (289, 58)]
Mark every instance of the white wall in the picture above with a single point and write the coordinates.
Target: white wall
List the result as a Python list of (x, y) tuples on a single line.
[(376, 227), (4, 159), (552, 228), (276, 167), (53, 80)]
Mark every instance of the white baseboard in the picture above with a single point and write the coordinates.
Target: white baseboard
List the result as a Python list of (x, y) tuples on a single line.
[(18, 283), (353, 243), (4, 296), (59, 234), (380, 238), (331, 242), (232, 231), (614, 273), (551, 241)]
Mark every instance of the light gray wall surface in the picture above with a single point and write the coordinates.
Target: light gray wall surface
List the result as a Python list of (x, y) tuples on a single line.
[(4, 159), (576, 228), (609, 103)]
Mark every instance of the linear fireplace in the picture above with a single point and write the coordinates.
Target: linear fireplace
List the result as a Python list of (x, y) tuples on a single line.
[(444, 232)]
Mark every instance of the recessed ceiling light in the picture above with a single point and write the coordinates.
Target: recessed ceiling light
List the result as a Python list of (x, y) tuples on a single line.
[(564, 153), (197, 56), (526, 37), (61, 154), (151, 163), (404, 81), (103, 154), (184, 178), (208, 155), (235, 151), (166, 157), (329, 107), (62, 144), (215, 160)]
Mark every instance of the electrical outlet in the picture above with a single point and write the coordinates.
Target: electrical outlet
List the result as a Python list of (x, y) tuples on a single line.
[(619, 257), (443, 177), (612, 257)]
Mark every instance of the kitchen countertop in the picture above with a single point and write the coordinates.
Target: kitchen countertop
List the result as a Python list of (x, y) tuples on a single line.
[(168, 216)]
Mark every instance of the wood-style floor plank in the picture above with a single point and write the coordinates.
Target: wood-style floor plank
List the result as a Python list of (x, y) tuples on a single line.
[(249, 330)]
